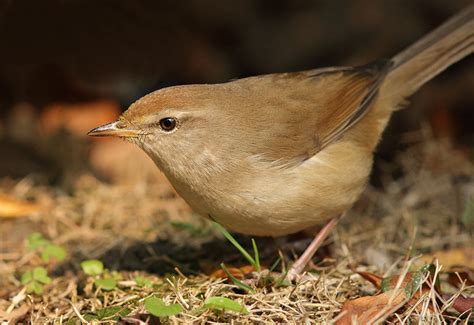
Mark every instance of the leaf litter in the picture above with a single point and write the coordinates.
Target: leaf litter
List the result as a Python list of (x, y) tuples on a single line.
[(164, 262)]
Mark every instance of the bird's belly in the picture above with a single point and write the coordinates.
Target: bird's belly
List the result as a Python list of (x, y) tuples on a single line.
[(273, 202), (273, 224)]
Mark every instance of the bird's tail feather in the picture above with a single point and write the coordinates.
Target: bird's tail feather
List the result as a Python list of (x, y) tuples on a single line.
[(422, 61)]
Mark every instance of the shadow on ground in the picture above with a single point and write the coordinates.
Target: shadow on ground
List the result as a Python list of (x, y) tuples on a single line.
[(164, 256)]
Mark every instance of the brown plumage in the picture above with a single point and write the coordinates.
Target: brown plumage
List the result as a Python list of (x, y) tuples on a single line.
[(275, 154)]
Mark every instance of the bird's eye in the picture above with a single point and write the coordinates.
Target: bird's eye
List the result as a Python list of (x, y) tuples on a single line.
[(168, 123)]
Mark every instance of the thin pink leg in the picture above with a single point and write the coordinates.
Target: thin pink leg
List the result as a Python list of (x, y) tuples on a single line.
[(309, 252)]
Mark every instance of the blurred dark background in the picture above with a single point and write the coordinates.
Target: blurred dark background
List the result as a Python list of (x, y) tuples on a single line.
[(69, 65)]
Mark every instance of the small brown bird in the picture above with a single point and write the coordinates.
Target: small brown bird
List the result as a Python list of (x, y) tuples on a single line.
[(275, 154)]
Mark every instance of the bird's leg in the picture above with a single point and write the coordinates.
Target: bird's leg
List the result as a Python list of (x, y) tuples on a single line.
[(309, 252)]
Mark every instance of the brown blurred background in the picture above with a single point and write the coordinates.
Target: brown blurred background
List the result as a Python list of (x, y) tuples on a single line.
[(69, 65)]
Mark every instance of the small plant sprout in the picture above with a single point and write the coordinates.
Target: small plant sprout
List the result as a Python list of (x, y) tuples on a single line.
[(106, 284), (92, 267), (103, 280), (254, 261), (111, 313), (36, 240), (49, 252), (223, 303), (236, 281), (141, 281), (158, 308), (35, 279)]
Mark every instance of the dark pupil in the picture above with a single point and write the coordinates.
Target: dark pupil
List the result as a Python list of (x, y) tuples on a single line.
[(168, 123)]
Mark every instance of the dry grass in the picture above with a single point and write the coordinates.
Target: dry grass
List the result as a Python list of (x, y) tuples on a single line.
[(130, 229)]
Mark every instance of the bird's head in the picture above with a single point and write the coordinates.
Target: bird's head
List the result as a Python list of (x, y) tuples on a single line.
[(183, 127)]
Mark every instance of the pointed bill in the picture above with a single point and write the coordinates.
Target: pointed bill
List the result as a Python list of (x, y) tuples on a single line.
[(114, 129)]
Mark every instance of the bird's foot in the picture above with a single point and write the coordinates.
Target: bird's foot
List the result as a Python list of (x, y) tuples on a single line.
[(298, 267)]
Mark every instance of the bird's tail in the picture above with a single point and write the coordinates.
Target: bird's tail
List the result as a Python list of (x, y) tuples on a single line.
[(428, 57)]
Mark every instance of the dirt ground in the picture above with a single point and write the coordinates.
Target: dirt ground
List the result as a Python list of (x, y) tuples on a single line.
[(151, 244)]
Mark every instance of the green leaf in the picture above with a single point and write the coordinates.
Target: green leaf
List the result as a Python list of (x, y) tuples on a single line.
[(73, 321), (92, 267), (427, 268), (385, 284), (142, 281), (188, 227), (236, 245), (282, 282), (122, 313), (222, 303), (107, 284), (90, 317), (236, 281), (36, 240), (53, 251), (35, 279), (107, 311), (158, 308), (35, 287), (41, 275), (26, 277), (112, 312), (116, 275), (257, 256), (275, 264), (418, 278)]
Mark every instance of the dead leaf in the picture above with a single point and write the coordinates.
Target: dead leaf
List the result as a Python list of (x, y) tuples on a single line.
[(238, 273), (371, 309), (448, 258), (410, 283), (247, 269), (372, 278), (11, 207), (220, 273), (458, 275), (386, 284), (463, 304)]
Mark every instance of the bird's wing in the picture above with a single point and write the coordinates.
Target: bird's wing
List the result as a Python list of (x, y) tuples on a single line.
[(317, 107), (348, 96)]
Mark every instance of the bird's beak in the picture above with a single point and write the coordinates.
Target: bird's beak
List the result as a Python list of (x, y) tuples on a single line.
[(115, 129)]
